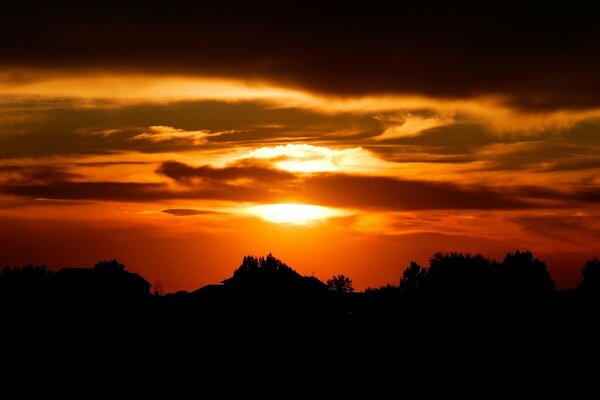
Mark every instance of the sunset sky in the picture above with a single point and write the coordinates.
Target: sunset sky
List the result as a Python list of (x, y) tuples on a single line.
[(345, 137)]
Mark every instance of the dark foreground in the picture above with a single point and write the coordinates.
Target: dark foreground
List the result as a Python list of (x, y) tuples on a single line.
[(277, 332)]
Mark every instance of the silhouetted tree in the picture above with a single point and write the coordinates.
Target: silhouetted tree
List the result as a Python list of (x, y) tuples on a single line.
[(271, 274), (158, 289), (458, 273), (412, 278), (522, 274), (591, 276), (340, 283), (26, 280), (109, 266), (382, 289), (263, 269)]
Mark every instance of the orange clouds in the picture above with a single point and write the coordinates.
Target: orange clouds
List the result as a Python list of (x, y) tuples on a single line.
[(310, 158), (165, 133), (118, 88), (200, 165)]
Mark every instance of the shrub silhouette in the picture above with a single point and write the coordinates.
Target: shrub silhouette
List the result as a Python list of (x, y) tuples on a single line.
[(412, 278), (591, 276), (522, 274), (340, 284), (24, 281), (109, 266), (457, 274), (270, 273)]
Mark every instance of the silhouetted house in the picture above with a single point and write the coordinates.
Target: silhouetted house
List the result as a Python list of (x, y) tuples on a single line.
[(95, 283), (209, 290)]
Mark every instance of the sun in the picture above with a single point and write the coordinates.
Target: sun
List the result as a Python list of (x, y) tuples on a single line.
[(293, 213)]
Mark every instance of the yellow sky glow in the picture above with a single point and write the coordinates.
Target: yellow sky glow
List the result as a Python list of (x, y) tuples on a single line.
[(293, 213)]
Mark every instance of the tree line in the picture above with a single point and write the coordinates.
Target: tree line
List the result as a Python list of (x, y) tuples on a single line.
[(520, 273)]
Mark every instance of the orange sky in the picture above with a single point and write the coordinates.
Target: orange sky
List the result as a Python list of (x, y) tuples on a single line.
[(343, 138), (182, 186)]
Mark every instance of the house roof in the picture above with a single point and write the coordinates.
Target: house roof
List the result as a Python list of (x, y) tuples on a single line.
[(91, 273)]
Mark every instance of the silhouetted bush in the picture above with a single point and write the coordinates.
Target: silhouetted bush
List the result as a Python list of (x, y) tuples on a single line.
[(109, 266), (340, 284), (387, 289), (457, 274), (270, 273), (522, 274), (412, 278), (591, 276), (24, 281)]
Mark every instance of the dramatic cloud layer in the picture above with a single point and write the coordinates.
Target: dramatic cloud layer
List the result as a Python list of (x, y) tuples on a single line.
[(245, 181), (342, 136), (535, 54)]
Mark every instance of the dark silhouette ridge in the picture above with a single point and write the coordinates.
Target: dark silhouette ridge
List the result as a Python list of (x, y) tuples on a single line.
[(270, 274), (450, 275), (27, 281), (460, 309), (107, 281), (591, 276)]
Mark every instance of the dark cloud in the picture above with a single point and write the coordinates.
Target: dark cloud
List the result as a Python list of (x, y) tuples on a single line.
[(109, 163), (412, 154), (461, 136), (590, 194), (575, 164), (35, 173), (132, 192), (349, 190), (552, 154), (39, 127), (542, 55), (454, 143), (397, 194), (553, 149), (105, 191), (248, 182), (563, 227), (187, 174), (186, 212)]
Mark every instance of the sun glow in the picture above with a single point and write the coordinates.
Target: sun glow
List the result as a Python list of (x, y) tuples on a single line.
[(310, 158), (292, 213)]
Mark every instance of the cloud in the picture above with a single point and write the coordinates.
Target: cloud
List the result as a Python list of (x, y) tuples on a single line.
[(186, 212), (532, 59), (311, 158), (397, 194), (343, 190), (102, 191), (187, 174), (167, 133), (110, 163), (547, 154), (248, 180), (575, 227), (35, 173), (409, 125), (41, 127)]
